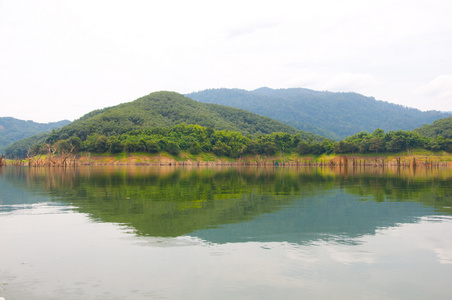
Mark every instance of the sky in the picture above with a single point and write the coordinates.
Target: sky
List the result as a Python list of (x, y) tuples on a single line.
[(60, 59)]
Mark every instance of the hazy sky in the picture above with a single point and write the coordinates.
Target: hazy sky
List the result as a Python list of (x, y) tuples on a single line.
[(61, 59)]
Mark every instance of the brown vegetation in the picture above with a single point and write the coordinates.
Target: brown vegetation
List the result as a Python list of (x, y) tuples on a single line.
[(65, 159), (68, 158)]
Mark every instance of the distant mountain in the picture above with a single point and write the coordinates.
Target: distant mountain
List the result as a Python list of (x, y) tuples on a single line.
[(334, 115), (12, 130)]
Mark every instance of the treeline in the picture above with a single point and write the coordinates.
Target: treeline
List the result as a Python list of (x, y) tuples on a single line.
[(191, 138), (441, 127), (197, 139), (392, 142)]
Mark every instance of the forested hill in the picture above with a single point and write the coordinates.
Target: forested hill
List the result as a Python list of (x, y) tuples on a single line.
[(442, 127), (166, 109), (12, 129), (334, 115)]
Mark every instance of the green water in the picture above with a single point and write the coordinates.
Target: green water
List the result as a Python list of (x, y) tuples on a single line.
[(225, 233)]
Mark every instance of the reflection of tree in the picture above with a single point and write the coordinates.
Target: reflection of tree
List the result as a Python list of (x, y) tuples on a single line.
[(436, 193), (169, 201)]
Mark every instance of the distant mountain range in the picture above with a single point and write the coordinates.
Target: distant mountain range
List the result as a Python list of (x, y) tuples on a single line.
[(333, 115), (12, 130)]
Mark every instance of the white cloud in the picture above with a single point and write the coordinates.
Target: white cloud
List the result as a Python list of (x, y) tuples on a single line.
[(434, 95), (341, 82), (251, 28), (349, 82), (439, 88)]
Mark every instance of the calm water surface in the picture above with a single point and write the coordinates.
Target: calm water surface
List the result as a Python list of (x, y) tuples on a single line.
[(225, 233)]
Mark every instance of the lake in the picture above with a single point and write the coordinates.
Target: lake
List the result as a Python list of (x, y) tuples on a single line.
[(143, 232)]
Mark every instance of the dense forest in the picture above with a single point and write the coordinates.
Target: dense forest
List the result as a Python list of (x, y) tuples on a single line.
[(333, 115), (158, 112), (183, 137), (392, 142), (197, 139), (166, 109), (169, 122), (12, 130), (439, 128)]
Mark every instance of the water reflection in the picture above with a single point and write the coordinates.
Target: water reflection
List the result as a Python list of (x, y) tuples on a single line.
[(225, 233), (295, 205)]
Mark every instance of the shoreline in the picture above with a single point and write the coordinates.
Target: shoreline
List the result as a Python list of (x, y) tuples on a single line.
[(184, 159)]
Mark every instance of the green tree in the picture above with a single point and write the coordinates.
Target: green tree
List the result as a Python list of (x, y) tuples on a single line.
[(195, 148), (116, 145), (269, 148), (172, 148), (303, 148)]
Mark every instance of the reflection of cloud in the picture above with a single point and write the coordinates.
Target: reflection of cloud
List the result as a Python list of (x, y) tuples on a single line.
[(323, 250), (427, 235), (167, 242), (345, 256), (302, 254), (441, 246)]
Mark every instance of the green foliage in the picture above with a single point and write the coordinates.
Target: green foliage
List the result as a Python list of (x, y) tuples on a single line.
[(333, 115), (197, 139), (13, 130), (142, 126), (380, 142), (439, 128), (172, 148), (168, 109), (184, 137), (19, 149), (161, 116)]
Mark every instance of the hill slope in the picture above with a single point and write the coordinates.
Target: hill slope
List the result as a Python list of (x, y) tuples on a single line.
[(441, 127), (12, 130), (334, 115), (166, 109)]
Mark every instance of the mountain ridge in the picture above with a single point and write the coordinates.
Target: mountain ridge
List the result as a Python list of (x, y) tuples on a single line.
[(12, 129), (334, 115)]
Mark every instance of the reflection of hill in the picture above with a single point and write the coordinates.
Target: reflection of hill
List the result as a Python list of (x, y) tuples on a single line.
[(330, 215), (432, 191), (167, 204), (239, 204)]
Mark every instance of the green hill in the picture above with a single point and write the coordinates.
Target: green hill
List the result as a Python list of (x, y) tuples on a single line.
[(159, 110), (12, 130), (166, 109), (334, 115), (441, 127)]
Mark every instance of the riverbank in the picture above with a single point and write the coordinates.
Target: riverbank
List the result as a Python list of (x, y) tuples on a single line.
[(412, 158)]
